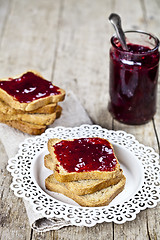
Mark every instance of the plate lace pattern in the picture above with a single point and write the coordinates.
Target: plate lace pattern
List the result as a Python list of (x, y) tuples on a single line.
[(24, 187)]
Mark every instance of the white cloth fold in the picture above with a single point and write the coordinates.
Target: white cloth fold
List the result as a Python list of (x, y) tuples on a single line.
[(73, 114)]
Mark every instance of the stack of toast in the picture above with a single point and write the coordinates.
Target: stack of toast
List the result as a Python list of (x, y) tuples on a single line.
[(89, 187), (27, 104)]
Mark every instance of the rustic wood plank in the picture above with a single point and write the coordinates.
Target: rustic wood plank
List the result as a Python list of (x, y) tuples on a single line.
[(30, 38), (26, 43), (12, 209), (153, 20), (82, 55), (152, 14), (81, 66), (13, 221), (100, 232), (144, 225), (5, 7), (131, 14), (139, 228)]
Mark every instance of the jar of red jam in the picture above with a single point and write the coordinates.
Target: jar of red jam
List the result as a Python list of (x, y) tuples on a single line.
[(134, 78)]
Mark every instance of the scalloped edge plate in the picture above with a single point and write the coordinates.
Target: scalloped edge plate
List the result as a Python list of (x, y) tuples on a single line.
[(139, 163)]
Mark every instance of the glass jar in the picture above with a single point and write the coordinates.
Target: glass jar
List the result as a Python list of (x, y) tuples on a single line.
[(133, 78)]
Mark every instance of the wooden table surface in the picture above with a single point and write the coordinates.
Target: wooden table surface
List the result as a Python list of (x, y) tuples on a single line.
[(67, 41)]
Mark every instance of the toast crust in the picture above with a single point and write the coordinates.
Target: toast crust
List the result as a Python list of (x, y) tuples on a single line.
[(6, 109), (35, 118), (30, 128), (39, 119), (96, 199)]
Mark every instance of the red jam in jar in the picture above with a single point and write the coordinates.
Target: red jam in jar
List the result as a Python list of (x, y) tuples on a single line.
[(85, 154), (133, 78), (29, 87)]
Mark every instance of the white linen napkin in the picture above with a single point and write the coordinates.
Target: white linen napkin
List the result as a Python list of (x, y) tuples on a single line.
[(73, 114)]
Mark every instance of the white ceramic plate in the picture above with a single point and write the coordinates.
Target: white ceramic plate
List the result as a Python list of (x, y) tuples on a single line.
[(139, 163)]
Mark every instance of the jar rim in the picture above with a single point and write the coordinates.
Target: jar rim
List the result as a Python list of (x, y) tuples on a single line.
[(141, 32)]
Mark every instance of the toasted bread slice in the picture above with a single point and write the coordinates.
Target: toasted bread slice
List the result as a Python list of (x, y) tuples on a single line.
[(28, 95), (6, 109), (35, 118), (63, 175), (82, 187), (98, 198), (30, 128)]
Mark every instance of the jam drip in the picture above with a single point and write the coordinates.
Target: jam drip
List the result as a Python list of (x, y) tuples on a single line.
[(29, 87), (85, 154)]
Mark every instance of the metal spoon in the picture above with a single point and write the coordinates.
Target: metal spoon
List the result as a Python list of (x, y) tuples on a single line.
[(116, 22)]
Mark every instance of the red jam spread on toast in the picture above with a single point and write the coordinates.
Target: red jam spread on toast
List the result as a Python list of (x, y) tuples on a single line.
[(29, 87), (85, 154)]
